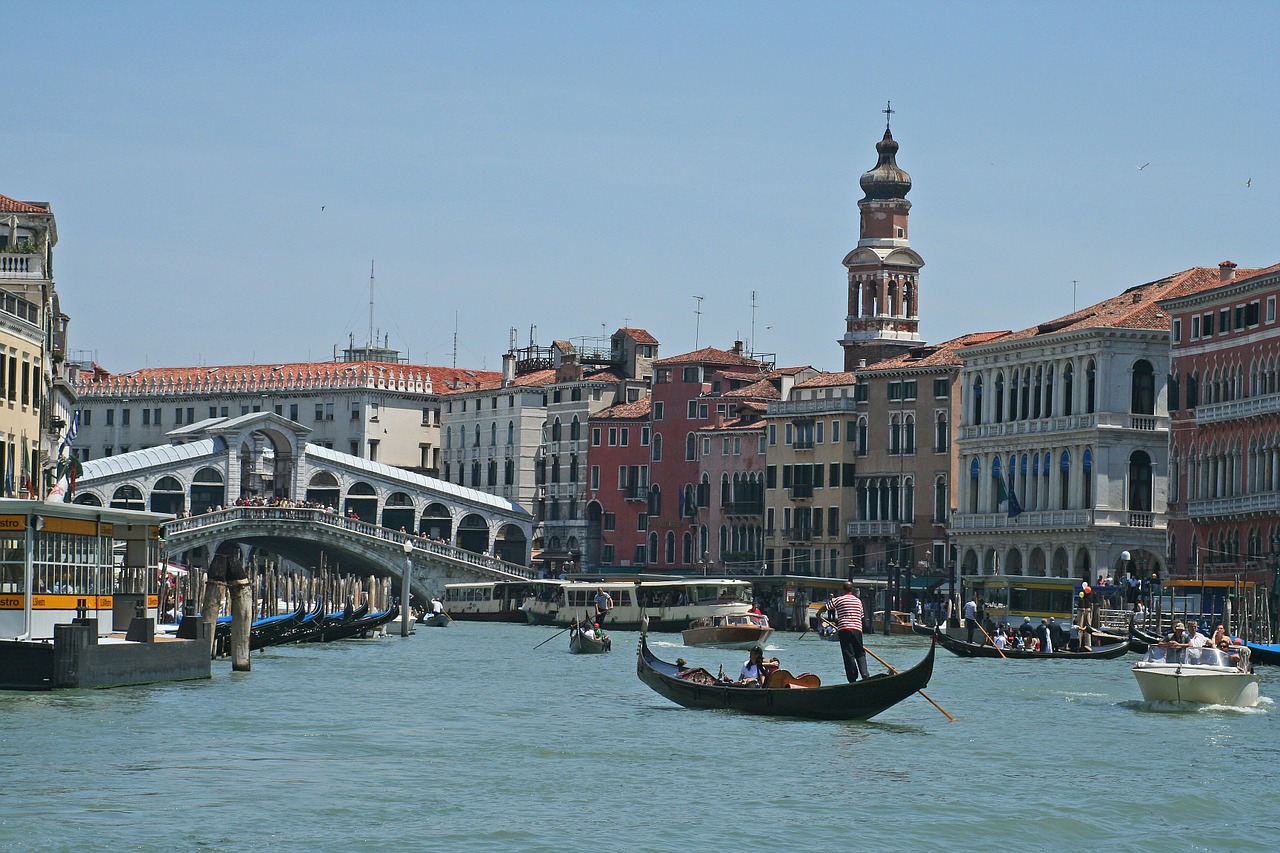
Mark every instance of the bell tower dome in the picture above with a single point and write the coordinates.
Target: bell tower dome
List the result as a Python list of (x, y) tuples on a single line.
[(883, 320)]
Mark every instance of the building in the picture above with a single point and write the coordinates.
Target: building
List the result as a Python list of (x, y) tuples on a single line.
[(618, 497), (523, 436), (1063, 445), (35, 396), (907, 415), (883, 318), (383, 411), (1224, 406)]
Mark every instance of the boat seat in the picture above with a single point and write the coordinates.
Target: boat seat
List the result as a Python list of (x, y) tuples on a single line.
[(782, 678)]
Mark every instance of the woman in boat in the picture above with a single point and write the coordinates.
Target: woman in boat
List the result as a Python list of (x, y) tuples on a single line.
[(757, 668)]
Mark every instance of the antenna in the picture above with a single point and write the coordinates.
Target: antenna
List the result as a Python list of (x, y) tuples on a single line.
[(697, 323), (1073, 295), (753, 324), (455, 338), (372, 342), (511, 339)]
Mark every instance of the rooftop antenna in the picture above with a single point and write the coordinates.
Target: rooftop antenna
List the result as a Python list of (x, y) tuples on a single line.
[(455, 338), (697, 323), (372, 342), (1073, 295), (753, 324), (511, 339)]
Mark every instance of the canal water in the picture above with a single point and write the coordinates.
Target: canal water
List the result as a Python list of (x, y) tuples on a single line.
[(469, 738)]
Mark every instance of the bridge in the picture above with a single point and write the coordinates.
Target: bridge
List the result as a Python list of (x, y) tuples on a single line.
[(221, 477), (358, 547)]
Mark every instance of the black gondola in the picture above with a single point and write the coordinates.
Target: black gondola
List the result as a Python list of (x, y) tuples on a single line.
[(336, 626), (857, 701), (982, 650)]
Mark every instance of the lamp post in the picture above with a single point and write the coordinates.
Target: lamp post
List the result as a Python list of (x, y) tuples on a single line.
[(404, 587)]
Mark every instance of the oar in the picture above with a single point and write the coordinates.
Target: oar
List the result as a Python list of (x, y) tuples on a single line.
[(553, 636), (447, 616), (921, 692), (989, 640)]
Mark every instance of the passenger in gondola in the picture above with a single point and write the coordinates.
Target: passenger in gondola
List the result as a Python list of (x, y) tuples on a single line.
[(757, 667), (1000, 640)]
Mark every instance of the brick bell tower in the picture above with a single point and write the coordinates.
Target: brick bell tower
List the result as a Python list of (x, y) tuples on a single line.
[(884, 312)]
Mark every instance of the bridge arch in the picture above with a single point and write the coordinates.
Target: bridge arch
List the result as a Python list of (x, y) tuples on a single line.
[(168, 495), (208, 490), (473, 533), (323, 489), (398, 512), (362, 501), (127, 497), (437, 522), (510, 544)]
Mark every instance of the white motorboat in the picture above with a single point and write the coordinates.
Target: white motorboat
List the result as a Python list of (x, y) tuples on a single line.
[(1204, 676), (734, 631)]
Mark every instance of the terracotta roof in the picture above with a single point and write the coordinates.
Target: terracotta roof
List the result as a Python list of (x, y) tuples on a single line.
[(625, 411), (944, 354), (764, 390), (286, 377), (711, 355), (754, 405), (829, 380), (1136, 307), (12, 205), (640, 336), (736, 424)]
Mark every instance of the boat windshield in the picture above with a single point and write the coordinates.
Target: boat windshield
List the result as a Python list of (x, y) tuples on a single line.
[(1206, 656)]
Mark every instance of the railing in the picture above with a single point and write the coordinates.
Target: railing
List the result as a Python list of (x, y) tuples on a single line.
[(801, 490), (1096, 420), (1141, 519), (21, 266), (1265, 404), (802, 444), (298, 515), (1262, 502), (855, 529), (833, 405), (743, 508), (1057, 519)]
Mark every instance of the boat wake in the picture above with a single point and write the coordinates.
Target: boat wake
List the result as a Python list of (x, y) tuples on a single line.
[(1263, 707)]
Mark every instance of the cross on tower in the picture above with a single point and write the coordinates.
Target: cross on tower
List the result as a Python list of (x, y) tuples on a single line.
[(888, 113)]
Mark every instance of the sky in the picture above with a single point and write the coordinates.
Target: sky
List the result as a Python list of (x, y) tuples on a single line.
[(225, 174)]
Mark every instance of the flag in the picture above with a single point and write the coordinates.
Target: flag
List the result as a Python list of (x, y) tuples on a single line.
[(1007, 499), (73, 430)]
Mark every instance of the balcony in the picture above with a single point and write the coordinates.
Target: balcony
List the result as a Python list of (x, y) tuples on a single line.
[(802, 444), (16, 266), (835, 405), (1249, 407), (1097, 420), (1267, 503), (872, 529), (798, 534), (743, 508), (636, 493), (1063, 519), (801, 491)]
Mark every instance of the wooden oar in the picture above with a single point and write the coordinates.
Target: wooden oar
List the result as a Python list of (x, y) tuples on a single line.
[(921, 692), (989, 640), (553, 636), (447, 616)]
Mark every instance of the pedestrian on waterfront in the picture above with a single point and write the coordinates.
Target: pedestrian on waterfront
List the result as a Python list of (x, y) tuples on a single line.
[(604, 603), (971, 617), (846, 608)]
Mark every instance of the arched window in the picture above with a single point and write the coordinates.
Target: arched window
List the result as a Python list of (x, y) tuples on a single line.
[(1025, 410), (862, 436), (1039, 393), (656, 447), (995, 490), (1048, 392), (690, 447), (895, 435), (573, 468), (671, 547), (1091, 388), (909, 501), (940, 500), (511, 432), (448, 438), (686, 548), (477, 441), (975, 416), (1064, 481), (941, 437), (1143, 397), (575, 428), (999, 398), (653, 549), (493, 434), (1139, 481), (974, 471), (725, 494), (909, 435), (555, 430), (1068, 379), (1086, 464)]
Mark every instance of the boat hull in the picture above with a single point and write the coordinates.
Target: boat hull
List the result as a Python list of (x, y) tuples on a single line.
[(857, 701), (975, 650), (726, 636), (582, 645), (1196, 685)]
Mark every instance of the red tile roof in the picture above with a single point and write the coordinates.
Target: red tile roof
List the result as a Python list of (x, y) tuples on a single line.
[(828, 380), (286, 377), (711, 355), (763, 390), (12, 205), (640, 336), (639, 410), (945, 354), (1136, 307)]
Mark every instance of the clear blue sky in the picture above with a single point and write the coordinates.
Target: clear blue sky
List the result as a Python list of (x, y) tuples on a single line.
[(581, 166)]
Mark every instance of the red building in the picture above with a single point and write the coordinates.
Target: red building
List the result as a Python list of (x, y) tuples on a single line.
[(618, 484), (1224, 408)]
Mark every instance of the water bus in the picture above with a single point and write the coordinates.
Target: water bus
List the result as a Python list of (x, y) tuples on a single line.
[(670, 604), (498, 601)]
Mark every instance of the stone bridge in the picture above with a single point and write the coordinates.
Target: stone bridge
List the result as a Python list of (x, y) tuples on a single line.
[(350, 545)]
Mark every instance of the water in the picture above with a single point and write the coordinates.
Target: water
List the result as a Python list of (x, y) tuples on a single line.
[(469, 738)]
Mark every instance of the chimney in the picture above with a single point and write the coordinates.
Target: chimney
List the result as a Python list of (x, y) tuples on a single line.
[(737, 348), (508, 369), (862, 362), (1226, 271)]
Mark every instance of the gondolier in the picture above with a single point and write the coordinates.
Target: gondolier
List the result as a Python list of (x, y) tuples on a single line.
[(604, 603), (846, 609)]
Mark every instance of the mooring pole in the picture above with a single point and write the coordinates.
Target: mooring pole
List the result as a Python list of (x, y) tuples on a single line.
[(404, 587)]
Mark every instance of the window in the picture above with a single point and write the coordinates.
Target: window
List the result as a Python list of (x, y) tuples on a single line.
[(595, 478), (1224, 321), (86, 417), (656, 452), (895, 391), (1206, 327), (691, 374), (690, 447), (941, 388), (1175, 335), (177, 416), (860, 392), (1195, 327), (702, 411), (146, 417), (355, 411), (624, 436), (644, 436), (1251, 313), (835, 432), (111, 417), (613, 436), (941, 435), (1143, 396), (692, 410), (610, 521), (706, 446), (909, 390), (658, 409), (1271, 309), (773, 434), (595, 436)]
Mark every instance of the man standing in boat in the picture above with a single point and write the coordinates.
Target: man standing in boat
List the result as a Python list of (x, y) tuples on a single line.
[(604, 603), (847, 610)]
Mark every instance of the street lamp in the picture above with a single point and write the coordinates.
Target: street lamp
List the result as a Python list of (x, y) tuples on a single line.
[(404, 587)]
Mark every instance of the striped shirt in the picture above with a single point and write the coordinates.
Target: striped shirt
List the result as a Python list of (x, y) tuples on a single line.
[(848, 612)]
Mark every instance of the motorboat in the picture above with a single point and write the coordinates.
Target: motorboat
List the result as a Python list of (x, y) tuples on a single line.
[(730, 631), (1206, 676)]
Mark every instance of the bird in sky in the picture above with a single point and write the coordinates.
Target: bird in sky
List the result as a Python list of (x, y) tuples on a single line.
[(322, 207), (1143, 166), (1248, 183)]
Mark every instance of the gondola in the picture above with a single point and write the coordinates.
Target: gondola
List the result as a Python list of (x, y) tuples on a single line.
[(920, 630), (982, 650), (857, 701), (1140, 639), (1268, 653), (581, 644), (434, 620), (267, 632), (336, 626)]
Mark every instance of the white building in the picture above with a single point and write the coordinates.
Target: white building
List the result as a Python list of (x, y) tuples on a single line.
[(1069, 419)]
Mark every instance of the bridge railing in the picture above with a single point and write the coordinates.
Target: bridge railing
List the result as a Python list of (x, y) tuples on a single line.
[(353, 525)]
